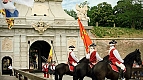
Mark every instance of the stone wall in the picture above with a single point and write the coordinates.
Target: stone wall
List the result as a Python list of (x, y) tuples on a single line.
[(124, 46)]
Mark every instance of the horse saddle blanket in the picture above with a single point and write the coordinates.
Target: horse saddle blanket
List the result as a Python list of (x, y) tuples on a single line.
[(71, 67), (115, 68)]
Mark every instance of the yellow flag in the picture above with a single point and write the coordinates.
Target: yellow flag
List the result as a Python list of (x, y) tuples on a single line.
[(50, 55)]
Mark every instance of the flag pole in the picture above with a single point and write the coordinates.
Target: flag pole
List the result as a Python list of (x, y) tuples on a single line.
[(53, 50)]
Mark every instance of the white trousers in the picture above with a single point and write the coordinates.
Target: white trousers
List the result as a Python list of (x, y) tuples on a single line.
[(122, 66)]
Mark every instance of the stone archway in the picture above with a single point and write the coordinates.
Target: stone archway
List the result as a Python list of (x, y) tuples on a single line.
[(6, 61), (37, 50)]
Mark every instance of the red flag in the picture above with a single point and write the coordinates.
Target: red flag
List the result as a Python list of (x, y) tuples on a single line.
[(86, 39)]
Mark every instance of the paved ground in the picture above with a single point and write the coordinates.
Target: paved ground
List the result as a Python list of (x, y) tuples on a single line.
[(7, 77), (66, 77)]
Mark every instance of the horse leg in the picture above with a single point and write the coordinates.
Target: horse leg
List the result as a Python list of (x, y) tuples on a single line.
[(100, 78), (56, 76), (60, 77), (75, 77), (81, 78), (93, 78), (114, 79)]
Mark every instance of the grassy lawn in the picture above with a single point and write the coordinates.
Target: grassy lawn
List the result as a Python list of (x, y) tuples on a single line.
[(116, 32)]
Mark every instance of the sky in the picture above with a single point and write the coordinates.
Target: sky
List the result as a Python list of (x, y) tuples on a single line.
[(70, 4)]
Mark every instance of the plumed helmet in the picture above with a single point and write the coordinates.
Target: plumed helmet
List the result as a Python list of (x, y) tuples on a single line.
[(92, 45), (113, 42)]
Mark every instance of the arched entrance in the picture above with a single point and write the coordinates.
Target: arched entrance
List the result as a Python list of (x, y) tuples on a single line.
[(37, 51), (6, 61)]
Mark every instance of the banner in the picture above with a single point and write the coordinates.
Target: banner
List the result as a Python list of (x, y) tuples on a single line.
[(50, 55), (86, 39)]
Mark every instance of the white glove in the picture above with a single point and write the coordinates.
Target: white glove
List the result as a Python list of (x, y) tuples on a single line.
[(87, 56)]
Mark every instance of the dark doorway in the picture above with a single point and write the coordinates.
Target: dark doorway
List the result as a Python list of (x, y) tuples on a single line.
[(37, 51), (6, 61)]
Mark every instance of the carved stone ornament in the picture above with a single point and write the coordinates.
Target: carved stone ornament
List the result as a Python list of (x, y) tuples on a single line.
[(7, 44), (40, 26), (82, 12)]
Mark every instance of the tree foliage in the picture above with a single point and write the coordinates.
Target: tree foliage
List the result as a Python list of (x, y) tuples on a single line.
[(127, 13), (71, 13)]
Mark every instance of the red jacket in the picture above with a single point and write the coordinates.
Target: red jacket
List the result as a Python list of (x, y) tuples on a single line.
[(93, 57), (45, 67), (112, 57), (70, 59)]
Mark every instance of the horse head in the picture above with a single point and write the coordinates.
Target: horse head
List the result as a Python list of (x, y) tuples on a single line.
[(133, 56), (138, 57)]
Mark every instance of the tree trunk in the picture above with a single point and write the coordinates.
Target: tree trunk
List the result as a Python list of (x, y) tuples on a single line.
[(133, 24), (114, 25), (96, 24)]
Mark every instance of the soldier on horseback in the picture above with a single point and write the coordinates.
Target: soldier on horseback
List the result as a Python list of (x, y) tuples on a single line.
[(72, 59), (115, 57), (93, 55)]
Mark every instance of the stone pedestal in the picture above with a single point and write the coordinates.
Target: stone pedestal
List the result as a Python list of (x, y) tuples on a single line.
[(49, 8)]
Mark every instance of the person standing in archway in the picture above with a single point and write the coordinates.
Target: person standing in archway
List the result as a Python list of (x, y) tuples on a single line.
[(34, 61), (10, 69)]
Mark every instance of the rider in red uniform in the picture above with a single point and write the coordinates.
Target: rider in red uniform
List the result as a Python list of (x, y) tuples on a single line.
[(93, 55), (72, 59), (115, 57)]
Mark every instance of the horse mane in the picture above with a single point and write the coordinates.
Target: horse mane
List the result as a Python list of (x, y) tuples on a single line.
[(106, 57), (129, 59), (84, 60)]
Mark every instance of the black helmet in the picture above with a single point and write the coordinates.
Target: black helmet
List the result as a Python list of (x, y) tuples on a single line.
[(71, 47), (112, 42), (92, 45)]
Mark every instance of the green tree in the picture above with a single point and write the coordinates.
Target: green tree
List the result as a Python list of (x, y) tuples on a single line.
[(71, 13), (128, 14), (102, 13)]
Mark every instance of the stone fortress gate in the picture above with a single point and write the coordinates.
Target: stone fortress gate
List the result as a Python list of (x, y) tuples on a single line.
[(29, 41), (30, 38)]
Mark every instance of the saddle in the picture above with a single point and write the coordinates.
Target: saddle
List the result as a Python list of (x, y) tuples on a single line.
[(71, 67), (115, 68), (91, 64)]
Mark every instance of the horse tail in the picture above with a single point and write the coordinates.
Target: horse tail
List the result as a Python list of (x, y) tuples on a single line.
[(56, 75)]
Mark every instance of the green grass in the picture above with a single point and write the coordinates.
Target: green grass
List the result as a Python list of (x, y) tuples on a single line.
[(116, 32)]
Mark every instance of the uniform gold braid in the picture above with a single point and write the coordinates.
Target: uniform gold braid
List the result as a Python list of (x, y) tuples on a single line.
[(10, 22), (2, 11)]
